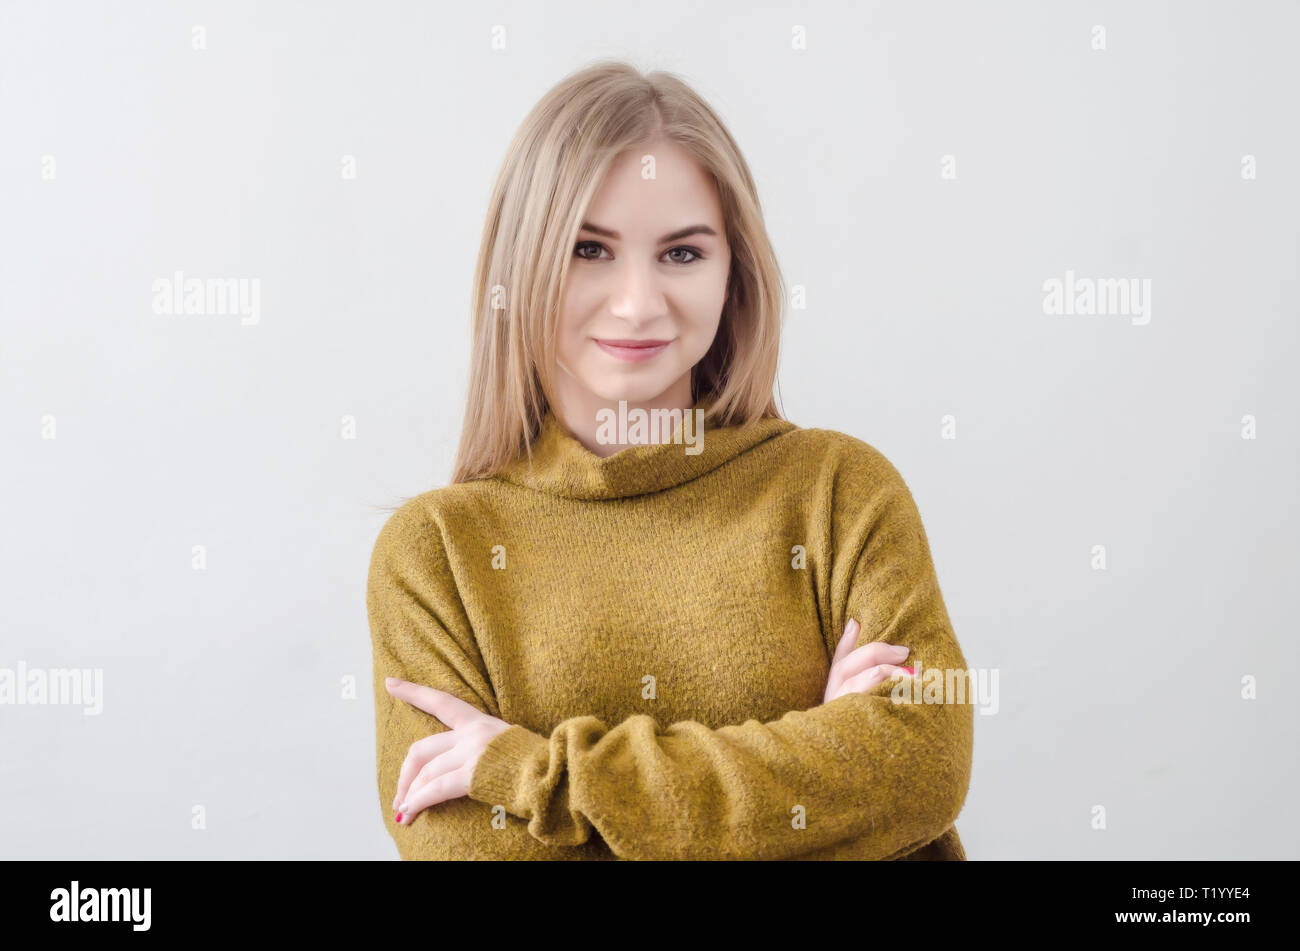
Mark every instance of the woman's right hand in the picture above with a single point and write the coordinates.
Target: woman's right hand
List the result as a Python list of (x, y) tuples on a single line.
[(857, 671)]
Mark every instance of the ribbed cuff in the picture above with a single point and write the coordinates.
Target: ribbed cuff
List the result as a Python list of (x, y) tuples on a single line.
[(499, 778)]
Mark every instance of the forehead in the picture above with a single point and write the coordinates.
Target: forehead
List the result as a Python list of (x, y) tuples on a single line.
[(634, 204)]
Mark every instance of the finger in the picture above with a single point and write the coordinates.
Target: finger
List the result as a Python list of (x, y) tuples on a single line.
[(448, 760), (420, 753), (847, 640), (869, 678), (447, 786), (450, 710), (872, 677), (868, 655)]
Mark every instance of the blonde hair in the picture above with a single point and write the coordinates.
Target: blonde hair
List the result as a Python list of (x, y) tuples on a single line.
[(551, 171)]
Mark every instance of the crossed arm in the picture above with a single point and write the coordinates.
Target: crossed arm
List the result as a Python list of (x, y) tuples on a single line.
[(859, 767)]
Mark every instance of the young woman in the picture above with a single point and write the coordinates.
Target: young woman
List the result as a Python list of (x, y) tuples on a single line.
[(650, 618)]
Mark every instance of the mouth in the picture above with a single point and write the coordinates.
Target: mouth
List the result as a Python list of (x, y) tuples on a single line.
[(633, 351)]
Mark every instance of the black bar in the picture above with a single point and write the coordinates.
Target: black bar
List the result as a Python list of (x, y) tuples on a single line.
[(860, 901)]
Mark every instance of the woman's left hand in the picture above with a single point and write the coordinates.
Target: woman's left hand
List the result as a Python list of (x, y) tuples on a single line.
[(439, 767)]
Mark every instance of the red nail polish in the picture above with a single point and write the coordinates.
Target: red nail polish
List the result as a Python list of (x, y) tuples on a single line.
[(908, 669), (399, 818)]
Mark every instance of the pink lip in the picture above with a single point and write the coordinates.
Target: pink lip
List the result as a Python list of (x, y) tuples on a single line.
[(633, 351)]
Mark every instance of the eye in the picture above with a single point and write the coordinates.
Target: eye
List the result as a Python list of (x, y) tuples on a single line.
[(591, 250), (692, 251)]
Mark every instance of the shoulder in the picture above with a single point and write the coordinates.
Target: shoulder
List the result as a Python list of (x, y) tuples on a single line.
[(866, 495), (422, 527), (851, 462)]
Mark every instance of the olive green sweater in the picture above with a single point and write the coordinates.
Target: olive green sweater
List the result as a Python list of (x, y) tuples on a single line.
[(657, 627)]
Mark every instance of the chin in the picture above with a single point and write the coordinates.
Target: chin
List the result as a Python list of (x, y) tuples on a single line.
[(640, 391), (632, 395)]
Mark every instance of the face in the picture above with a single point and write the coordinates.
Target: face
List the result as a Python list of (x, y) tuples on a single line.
[(647, 282)]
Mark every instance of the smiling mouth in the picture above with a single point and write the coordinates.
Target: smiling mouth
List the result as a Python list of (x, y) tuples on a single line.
[(633, 351)]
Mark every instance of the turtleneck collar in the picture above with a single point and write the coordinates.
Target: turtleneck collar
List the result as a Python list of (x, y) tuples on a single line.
[(563, 466)]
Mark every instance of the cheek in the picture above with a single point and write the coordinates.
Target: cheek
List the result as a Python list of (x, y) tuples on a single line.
[(702, 302), (572, 320)]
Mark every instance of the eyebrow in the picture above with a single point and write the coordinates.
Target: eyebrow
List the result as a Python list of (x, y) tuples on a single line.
[(674, 236)]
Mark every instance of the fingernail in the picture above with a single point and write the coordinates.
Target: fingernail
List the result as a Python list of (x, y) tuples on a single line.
[(908, 669), (391, 681), (899, 650), (399, 819)]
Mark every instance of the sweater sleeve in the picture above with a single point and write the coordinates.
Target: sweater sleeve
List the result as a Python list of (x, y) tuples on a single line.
[(419, 632), (892, 776)]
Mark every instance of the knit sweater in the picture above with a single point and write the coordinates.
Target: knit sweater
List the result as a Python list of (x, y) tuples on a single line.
[(657, 627)]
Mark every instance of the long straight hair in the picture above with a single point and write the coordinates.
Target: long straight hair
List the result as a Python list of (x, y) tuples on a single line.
[(551, 171)]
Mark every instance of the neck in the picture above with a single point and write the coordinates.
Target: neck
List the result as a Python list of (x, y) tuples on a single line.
[(583, 414)]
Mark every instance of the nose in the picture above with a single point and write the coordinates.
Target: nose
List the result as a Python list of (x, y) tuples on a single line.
[(637, 296)]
